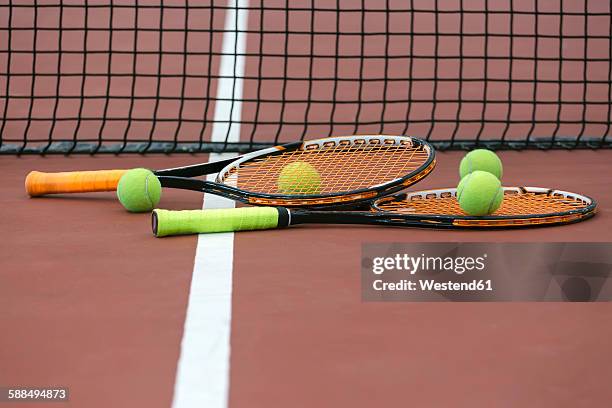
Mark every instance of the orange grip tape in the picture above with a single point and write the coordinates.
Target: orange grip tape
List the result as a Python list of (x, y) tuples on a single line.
[(38, 183)]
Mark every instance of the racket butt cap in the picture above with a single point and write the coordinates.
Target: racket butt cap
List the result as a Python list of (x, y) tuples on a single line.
[(154, 222), (30, 183)]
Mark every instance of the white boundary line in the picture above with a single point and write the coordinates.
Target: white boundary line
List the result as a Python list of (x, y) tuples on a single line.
[(202, 378)]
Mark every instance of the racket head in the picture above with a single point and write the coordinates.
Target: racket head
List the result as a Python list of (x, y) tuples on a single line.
[(352, 169), (522, 207)]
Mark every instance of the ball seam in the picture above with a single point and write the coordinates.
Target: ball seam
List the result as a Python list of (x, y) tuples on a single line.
[(118, 193), (459, 193), (493, 200), (147, 191)]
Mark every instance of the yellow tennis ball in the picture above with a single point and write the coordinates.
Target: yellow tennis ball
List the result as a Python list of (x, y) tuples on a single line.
[(139, 190), (481, 159), (299, 178), (480, 193)]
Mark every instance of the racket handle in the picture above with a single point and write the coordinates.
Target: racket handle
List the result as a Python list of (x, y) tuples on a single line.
[(38, 183), (167, 222)]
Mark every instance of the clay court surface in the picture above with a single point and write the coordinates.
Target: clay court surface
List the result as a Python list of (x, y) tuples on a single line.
[(93, 301)]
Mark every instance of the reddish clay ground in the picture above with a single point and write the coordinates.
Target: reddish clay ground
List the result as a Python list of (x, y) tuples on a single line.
[(92, 301)]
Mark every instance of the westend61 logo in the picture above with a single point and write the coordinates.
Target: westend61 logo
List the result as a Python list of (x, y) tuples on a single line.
[(414, 264), (486, 271)]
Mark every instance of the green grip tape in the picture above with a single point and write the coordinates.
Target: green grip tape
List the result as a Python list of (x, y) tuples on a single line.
[(166, 222)]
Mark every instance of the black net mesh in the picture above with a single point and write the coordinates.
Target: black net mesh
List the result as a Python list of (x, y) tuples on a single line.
[(153, 76)]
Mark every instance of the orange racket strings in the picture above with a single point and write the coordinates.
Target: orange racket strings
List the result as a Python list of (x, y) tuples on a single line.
[(341, 168), (517, 209), (514, 204)]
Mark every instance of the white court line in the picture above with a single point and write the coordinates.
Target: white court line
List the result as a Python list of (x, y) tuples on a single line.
[(202, 378)]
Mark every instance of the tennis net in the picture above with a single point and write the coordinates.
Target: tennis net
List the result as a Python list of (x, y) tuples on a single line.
[(113, 76)]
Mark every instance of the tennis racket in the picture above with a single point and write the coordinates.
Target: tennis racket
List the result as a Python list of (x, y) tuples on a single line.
[(522, 207), (351, 169)]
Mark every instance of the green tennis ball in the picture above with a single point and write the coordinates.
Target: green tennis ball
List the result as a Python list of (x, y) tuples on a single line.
[(299, 178), (480, 193), (481, 159), (139, 190)]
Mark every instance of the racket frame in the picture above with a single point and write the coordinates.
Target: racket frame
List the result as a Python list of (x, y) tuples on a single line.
[(378, 216), (180, 177)]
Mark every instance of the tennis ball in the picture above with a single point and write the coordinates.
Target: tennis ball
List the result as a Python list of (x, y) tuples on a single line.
[(299, 178), (481, 159), (139, 190), (480, 193)]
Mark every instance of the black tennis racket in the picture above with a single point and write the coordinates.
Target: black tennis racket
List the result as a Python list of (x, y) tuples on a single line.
[(349, 170), (522, 207)]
